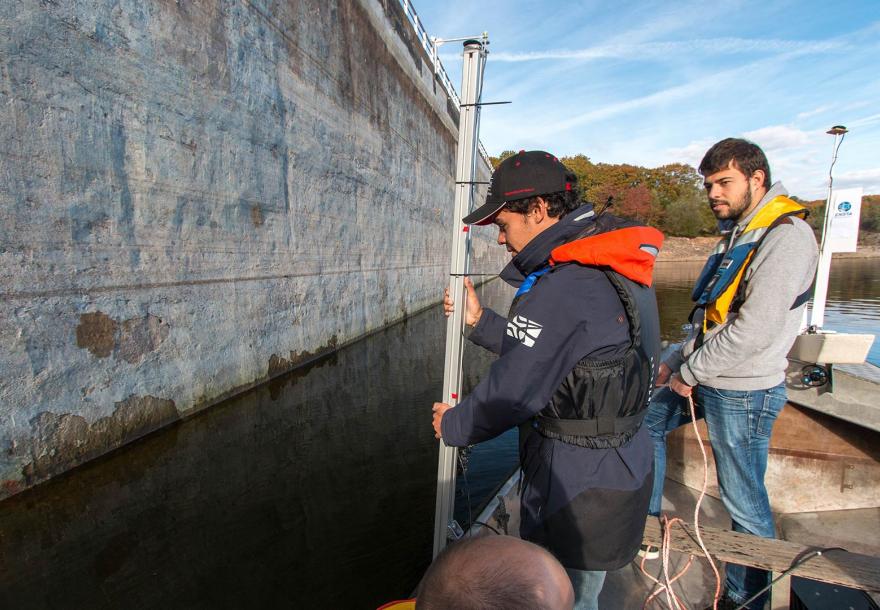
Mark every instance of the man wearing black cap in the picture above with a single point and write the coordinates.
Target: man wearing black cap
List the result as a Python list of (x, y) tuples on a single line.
[(578, 355)]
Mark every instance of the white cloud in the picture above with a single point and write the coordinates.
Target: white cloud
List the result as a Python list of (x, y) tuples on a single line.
[(838, 109), (868, 179), (780, 137), (868, 120), (691, 154), (654, 50), (680, 89), (686, 90), (861, 174), (809, 113)]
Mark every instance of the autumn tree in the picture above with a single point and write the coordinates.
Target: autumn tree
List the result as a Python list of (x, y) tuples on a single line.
[(495, 161), (669, 197)]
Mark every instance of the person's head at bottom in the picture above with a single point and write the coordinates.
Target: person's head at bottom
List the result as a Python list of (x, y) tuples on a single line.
[(489, 572)]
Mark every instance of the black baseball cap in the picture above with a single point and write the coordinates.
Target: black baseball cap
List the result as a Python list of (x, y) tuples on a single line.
[(525, 174)]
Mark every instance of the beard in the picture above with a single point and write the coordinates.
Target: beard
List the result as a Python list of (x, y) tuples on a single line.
[(734, 209)]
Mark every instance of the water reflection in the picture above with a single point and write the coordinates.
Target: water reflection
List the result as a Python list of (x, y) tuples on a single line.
[(315, 490), (854, 300), (673, 283), (853, 303)]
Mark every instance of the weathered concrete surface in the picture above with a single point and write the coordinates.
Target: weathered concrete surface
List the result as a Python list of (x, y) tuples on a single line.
[(197, 196)]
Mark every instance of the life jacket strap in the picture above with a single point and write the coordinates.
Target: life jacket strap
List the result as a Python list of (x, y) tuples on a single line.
[(589, 427)]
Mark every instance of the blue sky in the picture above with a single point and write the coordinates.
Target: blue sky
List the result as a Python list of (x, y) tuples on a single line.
[(650, 83)]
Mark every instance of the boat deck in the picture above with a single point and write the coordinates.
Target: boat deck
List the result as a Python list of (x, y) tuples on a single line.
[(851, 396), (855, 530), (823, 458)]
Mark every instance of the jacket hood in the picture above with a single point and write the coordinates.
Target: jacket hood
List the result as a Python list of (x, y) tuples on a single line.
[(629, 250), (583, 237)]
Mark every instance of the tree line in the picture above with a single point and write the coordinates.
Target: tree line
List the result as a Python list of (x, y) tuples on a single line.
[(669, 197), (869, 221)]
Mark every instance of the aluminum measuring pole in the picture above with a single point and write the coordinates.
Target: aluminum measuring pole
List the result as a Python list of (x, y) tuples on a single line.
[(474, 58), (823, 270)]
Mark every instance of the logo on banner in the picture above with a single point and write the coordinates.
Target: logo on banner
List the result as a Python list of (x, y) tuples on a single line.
[(843, 230), (524, 330)]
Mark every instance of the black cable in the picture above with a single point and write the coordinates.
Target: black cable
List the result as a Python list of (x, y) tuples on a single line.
[(471, 520), (795, 565), (467, 488), (833, 161), (487, 525)]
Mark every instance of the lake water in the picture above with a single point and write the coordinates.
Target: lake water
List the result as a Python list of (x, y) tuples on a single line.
[(315, 490), (853, 303)]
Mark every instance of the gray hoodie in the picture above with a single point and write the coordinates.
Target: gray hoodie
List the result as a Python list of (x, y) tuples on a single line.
[(748, 351)]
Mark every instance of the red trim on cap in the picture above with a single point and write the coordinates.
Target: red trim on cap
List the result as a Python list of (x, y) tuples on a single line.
[(518, 191)]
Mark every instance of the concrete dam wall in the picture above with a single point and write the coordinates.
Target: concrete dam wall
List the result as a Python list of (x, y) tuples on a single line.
[(198, 196)]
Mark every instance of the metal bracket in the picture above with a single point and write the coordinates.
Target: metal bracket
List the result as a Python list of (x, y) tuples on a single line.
[(501, 516), (454, 531), (483, 104)]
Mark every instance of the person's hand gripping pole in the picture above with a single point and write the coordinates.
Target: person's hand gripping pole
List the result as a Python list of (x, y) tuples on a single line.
[(471, 317), (474, 309)]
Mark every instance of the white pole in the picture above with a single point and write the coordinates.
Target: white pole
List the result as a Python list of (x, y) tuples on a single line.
[(468, 124), (823, 270)]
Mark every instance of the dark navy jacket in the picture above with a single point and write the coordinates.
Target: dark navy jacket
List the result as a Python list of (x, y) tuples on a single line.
[(588, 506)]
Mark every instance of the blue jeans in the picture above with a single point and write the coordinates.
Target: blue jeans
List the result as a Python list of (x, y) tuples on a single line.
[(587, 585), (739, 425)]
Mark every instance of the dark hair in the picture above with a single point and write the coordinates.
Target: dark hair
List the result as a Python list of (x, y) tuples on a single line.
[(463, 579), (558, 204), (745, 156)]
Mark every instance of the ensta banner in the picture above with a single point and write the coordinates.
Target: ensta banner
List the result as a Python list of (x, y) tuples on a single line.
[(843, 229)]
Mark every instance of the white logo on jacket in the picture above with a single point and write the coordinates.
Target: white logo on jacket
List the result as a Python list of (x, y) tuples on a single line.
[(524, 330)]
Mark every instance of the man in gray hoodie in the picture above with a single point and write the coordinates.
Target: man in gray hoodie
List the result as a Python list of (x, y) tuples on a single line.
[(749, 300)]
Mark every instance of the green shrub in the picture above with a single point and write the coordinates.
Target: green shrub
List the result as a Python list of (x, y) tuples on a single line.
[(689, 217)]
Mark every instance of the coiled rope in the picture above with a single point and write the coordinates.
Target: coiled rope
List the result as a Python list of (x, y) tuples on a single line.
[(665, 585)]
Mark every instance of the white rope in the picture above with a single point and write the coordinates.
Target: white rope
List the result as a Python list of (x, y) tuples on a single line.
[(665, 586)]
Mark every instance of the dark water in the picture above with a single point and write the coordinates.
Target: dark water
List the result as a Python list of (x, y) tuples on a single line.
[(316, 490), (853, 303), (854, 300)]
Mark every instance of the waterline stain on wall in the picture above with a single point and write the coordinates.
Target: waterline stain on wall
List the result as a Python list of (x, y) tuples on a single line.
[(279, 365), (61, 441)]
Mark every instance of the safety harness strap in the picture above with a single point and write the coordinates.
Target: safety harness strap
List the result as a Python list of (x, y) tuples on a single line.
[(589, 427)]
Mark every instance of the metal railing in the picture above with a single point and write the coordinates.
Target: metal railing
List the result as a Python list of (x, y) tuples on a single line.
[(430, 46), (430, 49)]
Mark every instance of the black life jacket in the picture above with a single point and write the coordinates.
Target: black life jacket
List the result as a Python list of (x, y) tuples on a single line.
[(601, 403)]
